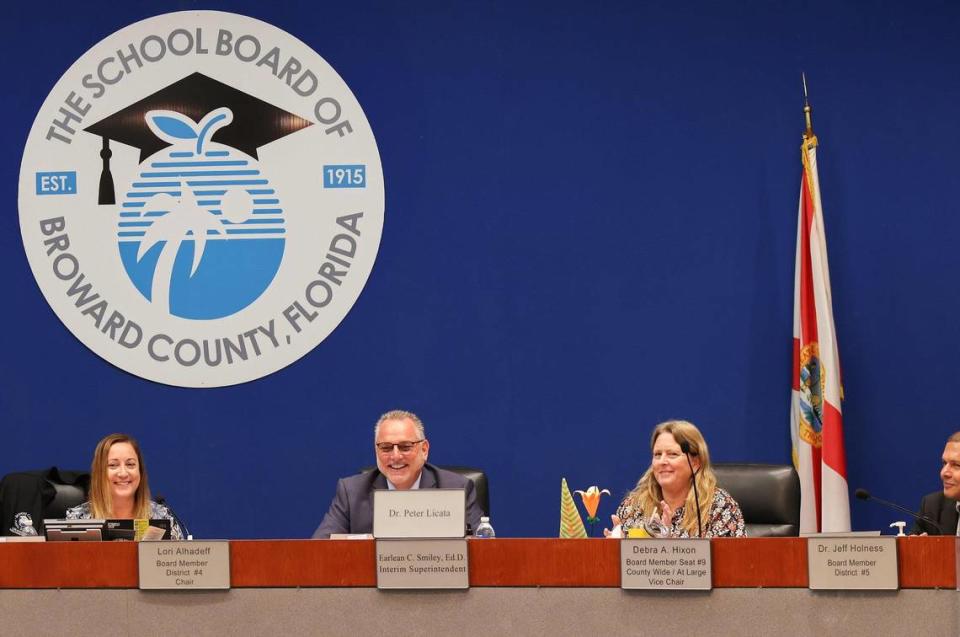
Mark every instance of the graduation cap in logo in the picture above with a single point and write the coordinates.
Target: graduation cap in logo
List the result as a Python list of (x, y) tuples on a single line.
[(255, 123)]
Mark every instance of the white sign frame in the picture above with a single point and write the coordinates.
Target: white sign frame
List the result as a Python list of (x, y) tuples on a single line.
[(680, 564), (419, 513), (853, 563), (423, 564), (184, 565)]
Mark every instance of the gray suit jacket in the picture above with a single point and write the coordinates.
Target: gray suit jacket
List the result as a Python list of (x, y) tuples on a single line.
[(941, 510), (352, 508)]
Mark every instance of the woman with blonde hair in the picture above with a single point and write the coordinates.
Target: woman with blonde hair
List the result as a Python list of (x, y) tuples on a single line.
[(664, 491), (119, 488)]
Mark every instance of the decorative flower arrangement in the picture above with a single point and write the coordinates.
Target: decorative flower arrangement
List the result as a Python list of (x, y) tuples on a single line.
[(591, 502)]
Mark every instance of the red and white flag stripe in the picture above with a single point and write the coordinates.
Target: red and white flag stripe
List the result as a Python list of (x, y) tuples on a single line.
[(816, 421)]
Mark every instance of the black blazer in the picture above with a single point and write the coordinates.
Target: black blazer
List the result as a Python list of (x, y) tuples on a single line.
[(352, 508), (941, 510)]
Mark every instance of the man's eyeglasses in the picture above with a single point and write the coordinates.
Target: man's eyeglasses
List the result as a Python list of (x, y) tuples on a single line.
[(402, 447)]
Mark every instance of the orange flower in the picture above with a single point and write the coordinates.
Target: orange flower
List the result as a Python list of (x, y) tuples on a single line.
[(591, 501)]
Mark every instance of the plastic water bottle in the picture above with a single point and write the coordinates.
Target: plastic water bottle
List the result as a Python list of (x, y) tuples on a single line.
[(484, 529)]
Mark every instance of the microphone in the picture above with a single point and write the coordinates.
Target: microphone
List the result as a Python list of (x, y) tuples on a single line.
[(685, 448), (176, 518), (863, 494)]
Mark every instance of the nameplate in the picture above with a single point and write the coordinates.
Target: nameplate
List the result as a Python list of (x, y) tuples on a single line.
[(852, 563), (956, 545), (419, 513), (669, 565), (422, 564), (189, 565)]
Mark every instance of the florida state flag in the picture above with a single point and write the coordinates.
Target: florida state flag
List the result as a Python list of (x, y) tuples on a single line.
[(816, 422)]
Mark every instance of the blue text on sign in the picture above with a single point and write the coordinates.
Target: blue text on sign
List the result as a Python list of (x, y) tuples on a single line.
[(345, 176), (57, 183)]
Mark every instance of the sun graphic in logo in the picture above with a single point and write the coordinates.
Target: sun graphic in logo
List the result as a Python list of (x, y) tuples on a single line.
[(200, 230)]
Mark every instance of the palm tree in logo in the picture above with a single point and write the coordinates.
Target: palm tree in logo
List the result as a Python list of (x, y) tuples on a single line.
[(184, 218)]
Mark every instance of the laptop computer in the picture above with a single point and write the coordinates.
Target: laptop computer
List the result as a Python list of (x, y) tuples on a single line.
[(94, 530)]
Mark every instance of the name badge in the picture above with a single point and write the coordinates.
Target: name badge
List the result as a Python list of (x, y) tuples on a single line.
[(852, 563), (422, 564), (419, 513), (957, 558), (187, 565), (678, 564)]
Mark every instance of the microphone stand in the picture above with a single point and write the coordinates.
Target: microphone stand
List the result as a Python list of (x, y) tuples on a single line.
[(176, 518), (863, 494), (685, 448)]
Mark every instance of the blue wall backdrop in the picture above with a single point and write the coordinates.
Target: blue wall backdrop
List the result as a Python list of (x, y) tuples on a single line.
[(590, 227)]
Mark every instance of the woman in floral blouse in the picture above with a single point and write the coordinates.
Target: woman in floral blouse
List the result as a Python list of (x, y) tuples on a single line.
[(118, 486), (664, 489)]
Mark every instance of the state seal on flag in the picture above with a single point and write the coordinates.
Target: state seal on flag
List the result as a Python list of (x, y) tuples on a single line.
[(812, 384)]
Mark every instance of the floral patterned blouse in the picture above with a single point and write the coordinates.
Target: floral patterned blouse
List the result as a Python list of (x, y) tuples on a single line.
[(726, 520), (157, 512)]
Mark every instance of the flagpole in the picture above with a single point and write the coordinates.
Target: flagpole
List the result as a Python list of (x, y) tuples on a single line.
[(808, 137), (816, 419)]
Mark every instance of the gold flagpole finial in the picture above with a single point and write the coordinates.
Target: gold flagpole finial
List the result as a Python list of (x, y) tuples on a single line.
[(808, 135)]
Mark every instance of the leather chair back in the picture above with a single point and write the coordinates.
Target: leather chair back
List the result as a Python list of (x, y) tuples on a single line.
[(44, 494), (66, 497), (768, 495), (479, 480)]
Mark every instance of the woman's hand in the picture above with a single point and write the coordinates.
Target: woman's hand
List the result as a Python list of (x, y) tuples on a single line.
[(666, 514), (617, 531)]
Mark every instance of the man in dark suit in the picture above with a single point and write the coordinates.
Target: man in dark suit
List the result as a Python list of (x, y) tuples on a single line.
[(402, 449), (941, 506)]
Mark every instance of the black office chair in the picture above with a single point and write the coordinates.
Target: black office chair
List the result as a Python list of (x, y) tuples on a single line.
[(474, 475), (44, 494), (479, 480), (768, 494)]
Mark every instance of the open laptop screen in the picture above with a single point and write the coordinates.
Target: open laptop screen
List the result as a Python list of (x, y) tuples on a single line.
[(107, 530)]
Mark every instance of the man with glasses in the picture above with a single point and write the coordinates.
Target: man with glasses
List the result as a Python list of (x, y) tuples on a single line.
[(401, 447)]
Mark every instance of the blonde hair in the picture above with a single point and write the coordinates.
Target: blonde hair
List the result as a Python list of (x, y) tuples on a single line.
[(646, 496), (101, 500)]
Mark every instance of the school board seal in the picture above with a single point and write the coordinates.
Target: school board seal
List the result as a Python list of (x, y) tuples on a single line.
[(201, 199)]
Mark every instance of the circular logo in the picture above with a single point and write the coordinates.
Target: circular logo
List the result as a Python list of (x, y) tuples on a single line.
[(201, 199)]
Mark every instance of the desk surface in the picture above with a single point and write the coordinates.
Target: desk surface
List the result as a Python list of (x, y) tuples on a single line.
[(924, 562)]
